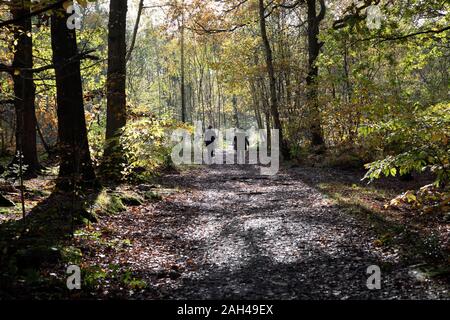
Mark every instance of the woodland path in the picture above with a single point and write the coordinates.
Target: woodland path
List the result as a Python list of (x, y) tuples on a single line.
[(234, 234)]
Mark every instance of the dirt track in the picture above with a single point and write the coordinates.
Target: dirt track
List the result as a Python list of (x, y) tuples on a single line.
[(234, 234)]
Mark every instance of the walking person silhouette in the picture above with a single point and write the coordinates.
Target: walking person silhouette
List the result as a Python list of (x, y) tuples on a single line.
[(210, 138)]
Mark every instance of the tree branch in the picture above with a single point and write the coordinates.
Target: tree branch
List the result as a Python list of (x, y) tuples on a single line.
[(415, 34), (323, 10), (7, 101), (5, 68), (341, 23), (136, 28), (33, 13), (80, 56)]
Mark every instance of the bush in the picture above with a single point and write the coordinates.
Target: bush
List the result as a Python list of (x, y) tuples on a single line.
[(147, 146), (422, 138)]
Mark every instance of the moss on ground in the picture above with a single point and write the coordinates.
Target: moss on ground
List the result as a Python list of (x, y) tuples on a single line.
[(152, 196), (108, 203), (131, 200)]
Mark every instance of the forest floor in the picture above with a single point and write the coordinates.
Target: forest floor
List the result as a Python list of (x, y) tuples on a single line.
[(226, 232)]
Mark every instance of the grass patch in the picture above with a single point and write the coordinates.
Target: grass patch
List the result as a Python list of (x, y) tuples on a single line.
[(71, 255), (9, 211), (95, 277), (40, 193)]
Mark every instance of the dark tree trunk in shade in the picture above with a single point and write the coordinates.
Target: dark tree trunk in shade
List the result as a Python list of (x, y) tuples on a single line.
[(75, 160), (116, 113), (24, 91), (313, 51)]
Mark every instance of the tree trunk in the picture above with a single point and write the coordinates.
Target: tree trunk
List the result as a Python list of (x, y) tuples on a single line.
[(135, 31), (182, 85), (311, 81), (116, 114), (235, 111), (75, 160), (255, 98), (24, 92), (272, 81)]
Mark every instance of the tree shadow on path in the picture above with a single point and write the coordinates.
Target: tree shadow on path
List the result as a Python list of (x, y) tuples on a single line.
[(277, 237)]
